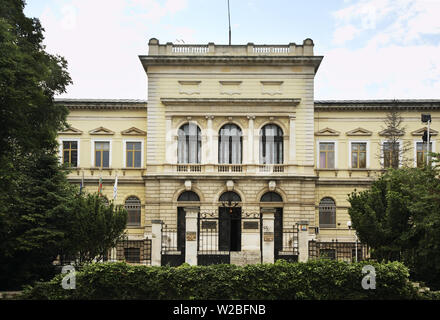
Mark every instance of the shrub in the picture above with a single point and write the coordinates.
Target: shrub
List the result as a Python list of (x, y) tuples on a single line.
[(321, 279)]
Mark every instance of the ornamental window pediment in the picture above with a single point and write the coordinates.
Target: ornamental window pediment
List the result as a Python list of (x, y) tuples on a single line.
[(327, 132), (133, 131), (101, 131), (359, 132), (71, 131), (420, 132)]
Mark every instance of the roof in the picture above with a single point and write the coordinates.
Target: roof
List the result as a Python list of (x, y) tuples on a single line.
[(112, 104), (400, 104), (320, 105)]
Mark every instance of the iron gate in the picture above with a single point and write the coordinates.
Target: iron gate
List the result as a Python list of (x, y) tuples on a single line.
[(286, 243), (220, 233), (173, 248)]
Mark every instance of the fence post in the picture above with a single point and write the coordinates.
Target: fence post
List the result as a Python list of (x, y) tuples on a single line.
[(268, 244), (303, 241), (156, 242), (191, 216)]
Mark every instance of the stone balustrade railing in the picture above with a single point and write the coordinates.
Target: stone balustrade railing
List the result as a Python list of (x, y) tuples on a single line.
[(211, 49)]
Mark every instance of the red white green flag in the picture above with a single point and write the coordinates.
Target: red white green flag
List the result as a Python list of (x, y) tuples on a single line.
[(100, 186)]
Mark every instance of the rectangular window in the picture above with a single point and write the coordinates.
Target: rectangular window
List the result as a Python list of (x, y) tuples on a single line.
[(102, 154), (327, 155), (132, 255), (422, 153), (359, 155), (133, 155), (70, 153), (391, 154)]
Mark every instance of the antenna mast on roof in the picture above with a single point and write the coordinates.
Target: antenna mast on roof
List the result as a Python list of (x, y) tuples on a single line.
[(229, 18)]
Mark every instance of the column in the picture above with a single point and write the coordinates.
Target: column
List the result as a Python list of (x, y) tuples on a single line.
[(303, 241), (251, 159), (169, 140), (191, 216), (268, 249), (156, 242), (292, 144), (210, 145)]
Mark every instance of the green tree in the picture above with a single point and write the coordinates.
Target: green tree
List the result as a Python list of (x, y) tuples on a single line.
[(93, 226), (33, 189), (399, 218)]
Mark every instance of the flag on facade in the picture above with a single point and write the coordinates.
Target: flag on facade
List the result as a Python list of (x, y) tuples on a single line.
[(81, 186), (100, 186), (115, 188)]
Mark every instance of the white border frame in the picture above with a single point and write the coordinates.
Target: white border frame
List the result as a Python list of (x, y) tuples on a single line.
[(368, 153), (124, 154), (415, 141), (335, 142), (93, 152), (60, 149)]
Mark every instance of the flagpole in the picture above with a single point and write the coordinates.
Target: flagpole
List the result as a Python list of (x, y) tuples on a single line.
[(100, 185), (82, 183), (229, 19)]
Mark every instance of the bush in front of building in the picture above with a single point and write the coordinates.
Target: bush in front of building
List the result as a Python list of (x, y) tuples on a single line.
[(315, 280)]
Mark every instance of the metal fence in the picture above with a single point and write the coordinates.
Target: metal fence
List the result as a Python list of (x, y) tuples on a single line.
[(341, 251), (287, 248), (134, 251), (208, 246), (173, 252)]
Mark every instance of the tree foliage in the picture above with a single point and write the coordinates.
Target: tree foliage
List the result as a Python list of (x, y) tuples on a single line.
[(399, 218), (41, 214), (315, 279), (93, 226)]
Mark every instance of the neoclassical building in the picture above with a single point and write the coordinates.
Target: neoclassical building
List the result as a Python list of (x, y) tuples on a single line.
[(230, 159)]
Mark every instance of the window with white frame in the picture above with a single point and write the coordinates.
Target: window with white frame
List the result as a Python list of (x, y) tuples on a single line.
[(326, 155), (133, 154), (70, 153), (422, 153), (102, 154), (391, 154), (358, 155)]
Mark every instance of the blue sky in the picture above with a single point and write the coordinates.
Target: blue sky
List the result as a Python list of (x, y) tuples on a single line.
[(373, 49)]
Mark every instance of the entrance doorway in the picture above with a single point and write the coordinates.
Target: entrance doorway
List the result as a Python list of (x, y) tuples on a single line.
[(230, 229)]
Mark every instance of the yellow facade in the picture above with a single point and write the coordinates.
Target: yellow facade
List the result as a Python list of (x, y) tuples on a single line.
[(250, 86)]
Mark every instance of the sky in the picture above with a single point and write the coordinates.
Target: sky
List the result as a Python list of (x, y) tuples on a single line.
[(373, 49)]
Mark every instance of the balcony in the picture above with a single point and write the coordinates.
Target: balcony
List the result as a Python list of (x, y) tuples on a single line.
[(218, 170)]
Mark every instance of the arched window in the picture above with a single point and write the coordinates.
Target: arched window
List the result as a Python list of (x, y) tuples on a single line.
[(189, 144), (271, 144), (229, 196), (271, 197), (327, 213), (230, 144), (133, 207), (188, 196)]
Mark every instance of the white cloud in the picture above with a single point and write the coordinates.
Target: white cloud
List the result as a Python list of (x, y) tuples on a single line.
[(101, 41), (397, 60), (345, 33), (380, 73)]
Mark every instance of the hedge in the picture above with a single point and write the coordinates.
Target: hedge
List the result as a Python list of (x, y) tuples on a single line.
[(319, 279)]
